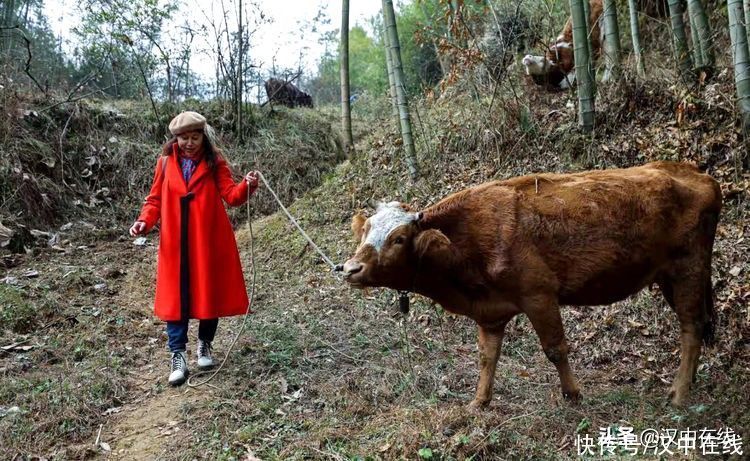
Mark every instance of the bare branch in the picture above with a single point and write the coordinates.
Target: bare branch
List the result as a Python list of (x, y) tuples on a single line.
[(98, 90), (27, 66)]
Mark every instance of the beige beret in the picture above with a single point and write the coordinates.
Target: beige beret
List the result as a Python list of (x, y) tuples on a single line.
[(187, 121)]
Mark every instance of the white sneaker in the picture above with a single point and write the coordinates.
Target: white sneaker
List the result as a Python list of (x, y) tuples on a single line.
[(205, 359), (179, 369)]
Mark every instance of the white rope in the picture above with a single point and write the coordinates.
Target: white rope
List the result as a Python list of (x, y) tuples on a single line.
[(247, 314), (190, 382), (291, 218)]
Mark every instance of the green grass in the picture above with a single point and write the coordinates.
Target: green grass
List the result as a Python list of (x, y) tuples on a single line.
[(323, 371), (16, 313)]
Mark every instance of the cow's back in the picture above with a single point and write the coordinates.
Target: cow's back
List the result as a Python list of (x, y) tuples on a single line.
[(602, 235)]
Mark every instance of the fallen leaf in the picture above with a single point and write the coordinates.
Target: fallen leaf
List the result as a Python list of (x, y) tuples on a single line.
[(17, 347), (635, 324), (9, 411), (110, 411)]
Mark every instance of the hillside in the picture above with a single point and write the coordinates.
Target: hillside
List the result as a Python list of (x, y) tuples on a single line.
[(322, 371)]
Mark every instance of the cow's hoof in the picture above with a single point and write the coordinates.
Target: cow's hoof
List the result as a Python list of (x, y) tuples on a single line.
[(478, 404), (573, 396), (677, 398)]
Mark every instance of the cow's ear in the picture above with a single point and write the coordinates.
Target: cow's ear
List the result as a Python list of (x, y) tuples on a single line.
[(405, 207), (430, 241), (358, 225)]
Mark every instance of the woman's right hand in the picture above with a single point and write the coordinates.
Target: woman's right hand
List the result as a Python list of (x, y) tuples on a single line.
[(252, 179), (138, 228)]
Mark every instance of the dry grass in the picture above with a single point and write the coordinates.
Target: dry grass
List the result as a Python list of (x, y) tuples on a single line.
[(325, 372), (330, 373)]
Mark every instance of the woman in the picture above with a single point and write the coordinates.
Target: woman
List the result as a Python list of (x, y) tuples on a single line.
[(199, 274)]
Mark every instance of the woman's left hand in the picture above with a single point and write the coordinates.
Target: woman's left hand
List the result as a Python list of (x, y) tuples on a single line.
[(252, 179)]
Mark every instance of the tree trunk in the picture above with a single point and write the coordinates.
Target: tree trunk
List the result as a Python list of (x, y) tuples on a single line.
[(346, 113), (435, 44), (398, 78), (741, 59), (239, 77), (699, 23), (587, 13), (391, 80), (681, 53), (611, 41), (9, 19), (746, 7), (635, 33), (583, 65), (697, 48), (26, 15)]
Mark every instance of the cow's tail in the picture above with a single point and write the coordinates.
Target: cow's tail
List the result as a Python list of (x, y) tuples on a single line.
[(709, 315), (710, 222)]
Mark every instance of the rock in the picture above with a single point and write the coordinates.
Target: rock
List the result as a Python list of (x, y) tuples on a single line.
[(39, 233), (54, 240), (6, 235), (9, 411), (113, 272), (140, 241)]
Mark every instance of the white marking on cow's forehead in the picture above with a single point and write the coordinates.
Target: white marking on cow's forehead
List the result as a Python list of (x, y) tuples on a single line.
[(535, 65), (563, 45), (388, 217)]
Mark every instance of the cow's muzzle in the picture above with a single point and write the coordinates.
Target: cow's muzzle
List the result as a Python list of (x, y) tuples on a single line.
[(351, 268)]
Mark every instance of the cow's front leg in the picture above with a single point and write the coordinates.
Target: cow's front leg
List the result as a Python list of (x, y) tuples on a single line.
[(490, 340), (544, 314)]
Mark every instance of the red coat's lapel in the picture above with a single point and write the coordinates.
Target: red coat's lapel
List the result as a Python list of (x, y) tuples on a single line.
[(174, 173), (200, 171)]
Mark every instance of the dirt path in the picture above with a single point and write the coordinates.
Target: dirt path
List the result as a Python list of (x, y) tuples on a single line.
[(158, 418), (147, 428)]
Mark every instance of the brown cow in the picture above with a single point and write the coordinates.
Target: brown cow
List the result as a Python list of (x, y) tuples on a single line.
[(286, 93), (529, 244), (556, 68)]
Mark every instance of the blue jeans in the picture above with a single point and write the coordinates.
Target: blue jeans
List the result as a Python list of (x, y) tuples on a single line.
[(177, 332)]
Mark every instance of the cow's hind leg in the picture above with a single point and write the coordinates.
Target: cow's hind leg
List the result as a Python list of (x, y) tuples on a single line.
[(490, 342), (691, 298), (544, 315)]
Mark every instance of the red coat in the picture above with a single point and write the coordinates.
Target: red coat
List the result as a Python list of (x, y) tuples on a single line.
[(210, 283)]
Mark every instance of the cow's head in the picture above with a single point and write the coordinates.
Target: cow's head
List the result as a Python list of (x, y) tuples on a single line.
[(555, 68), (391, 245)]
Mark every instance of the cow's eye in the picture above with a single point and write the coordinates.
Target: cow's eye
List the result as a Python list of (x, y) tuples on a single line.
[(399, 240)]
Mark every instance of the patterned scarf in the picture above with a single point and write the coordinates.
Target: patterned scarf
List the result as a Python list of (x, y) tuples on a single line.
[(188, 167)]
